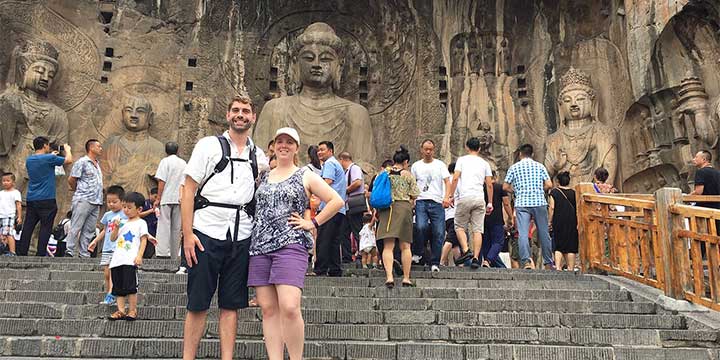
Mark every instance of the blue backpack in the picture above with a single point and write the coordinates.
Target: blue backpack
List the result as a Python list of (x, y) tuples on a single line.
[(381, 196)]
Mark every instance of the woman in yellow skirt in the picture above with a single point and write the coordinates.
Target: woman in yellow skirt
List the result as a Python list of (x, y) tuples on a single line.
[(396, 223)]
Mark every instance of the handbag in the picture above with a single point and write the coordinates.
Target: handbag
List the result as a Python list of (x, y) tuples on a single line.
[(356, 204)]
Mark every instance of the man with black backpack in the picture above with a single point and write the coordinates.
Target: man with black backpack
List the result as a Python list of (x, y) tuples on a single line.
[(217, 209)]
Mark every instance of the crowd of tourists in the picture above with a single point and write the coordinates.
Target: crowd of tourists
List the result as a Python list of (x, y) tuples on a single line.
[(243, 217)]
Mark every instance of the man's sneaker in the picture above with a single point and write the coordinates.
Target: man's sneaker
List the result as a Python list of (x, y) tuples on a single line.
[(109, 300), (416, 259), (475, 263), (434, 268), (9, 253), (182, 271), (464, 257)]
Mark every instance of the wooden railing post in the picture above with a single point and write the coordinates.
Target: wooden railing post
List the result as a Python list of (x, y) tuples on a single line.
[(666, 223), (585, 235)]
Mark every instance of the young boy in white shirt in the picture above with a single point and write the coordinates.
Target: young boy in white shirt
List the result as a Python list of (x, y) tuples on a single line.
[(113, 198), (10, 211), (131, 239)]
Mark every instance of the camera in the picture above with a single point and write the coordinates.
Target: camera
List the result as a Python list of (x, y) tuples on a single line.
[(59, 148)]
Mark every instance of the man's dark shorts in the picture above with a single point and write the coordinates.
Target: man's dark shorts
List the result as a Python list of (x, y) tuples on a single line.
[(222, 266)]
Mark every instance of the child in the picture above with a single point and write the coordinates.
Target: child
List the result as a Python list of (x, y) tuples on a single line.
[(367, 242), (10, 211), (149, 214), (130, 240), (113, 198)]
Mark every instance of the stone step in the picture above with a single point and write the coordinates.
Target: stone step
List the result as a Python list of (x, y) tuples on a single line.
[(506, 317), (178, 285), (389, 317), (179, 298), (33, 347), (492, 305), (372, 332)]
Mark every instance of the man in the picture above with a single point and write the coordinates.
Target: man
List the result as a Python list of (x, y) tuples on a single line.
[(41, 205), (169, 176), (433, 180), (529, 180), (707, 178), (329, 233), (707, 182), (494, 236), (356, 204), (473, 173), (86, 180), (216, 237)]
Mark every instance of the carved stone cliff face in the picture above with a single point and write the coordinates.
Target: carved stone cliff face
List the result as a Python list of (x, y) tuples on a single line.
[(444, 70)]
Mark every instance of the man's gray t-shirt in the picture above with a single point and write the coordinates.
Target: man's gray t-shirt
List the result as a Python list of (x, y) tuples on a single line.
[(170, 170), (355, 174)]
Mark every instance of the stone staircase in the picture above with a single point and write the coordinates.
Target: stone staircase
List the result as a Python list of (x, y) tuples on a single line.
[(49, 308)]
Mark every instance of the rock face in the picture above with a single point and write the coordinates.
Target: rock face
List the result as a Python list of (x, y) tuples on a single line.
[(443, 70)]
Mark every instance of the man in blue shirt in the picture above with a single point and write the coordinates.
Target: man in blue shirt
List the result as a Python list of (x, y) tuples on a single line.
[(330, 233), (529, 180), (41, 206)]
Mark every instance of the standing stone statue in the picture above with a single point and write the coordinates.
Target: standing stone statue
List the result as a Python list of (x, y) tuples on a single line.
[(582, 143), (316, 112), (131, 158), (26, 111)]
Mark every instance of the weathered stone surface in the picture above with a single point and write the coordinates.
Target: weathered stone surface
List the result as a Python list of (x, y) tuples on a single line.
[(370, 350), (438, 351)]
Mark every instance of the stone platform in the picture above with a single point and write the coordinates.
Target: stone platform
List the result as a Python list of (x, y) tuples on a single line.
[(49, 309)]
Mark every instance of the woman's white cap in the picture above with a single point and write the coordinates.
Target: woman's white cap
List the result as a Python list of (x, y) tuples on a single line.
[(289, 132)]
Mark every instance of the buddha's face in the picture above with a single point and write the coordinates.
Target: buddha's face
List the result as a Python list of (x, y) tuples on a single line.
[(318, 65), (136, 114), (576, 104), (39, 76)]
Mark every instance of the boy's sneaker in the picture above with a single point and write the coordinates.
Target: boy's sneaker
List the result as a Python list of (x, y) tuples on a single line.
[(109, 300), (475, 263), (435, 268), (464, 257), (10, 254), (182, 271)]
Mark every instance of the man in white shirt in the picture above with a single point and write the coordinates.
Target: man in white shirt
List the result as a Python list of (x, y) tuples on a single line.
[(472, 171), (169, 176), (433, 180), (217, 224)]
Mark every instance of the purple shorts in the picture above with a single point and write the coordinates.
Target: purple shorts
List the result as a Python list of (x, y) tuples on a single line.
[(285, 266)]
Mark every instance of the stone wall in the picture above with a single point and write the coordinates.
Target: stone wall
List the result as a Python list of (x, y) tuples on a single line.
[(443, 69)]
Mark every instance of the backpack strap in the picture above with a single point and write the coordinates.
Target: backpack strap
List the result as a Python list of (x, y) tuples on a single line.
[(225, 159)]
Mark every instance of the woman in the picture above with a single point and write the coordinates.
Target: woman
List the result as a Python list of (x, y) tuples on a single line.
[(563, 222), (395, 223), (315, 165), (280, 243)]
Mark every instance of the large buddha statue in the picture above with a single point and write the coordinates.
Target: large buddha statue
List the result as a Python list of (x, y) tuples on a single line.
[(316, 112), (582, 143), (130, 159), (26, 111)]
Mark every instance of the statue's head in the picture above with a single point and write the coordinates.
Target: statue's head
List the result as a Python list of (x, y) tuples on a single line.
[(137, 113), (318, 56), (577, 97), (36, 66)]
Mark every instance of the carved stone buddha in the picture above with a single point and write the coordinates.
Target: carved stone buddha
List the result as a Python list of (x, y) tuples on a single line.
[(582, 143), (131, 159), (316, 112), (25, 110)]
